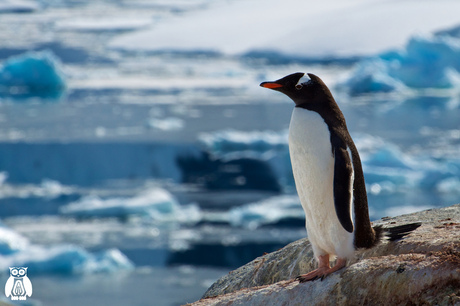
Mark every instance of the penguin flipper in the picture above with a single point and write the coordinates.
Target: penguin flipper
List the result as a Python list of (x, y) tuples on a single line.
[(343, 187)]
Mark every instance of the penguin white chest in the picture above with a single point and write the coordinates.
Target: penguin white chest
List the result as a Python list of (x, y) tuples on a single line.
[(313, 167)]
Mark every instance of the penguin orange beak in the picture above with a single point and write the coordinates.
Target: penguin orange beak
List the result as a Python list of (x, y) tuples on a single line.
[(270, 85)]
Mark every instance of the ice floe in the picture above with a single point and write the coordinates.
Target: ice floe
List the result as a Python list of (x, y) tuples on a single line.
[(103, 24), (269, 211), (16, 250), (157, 204)]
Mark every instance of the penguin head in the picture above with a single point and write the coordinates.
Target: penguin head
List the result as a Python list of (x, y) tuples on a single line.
[(302, 88)]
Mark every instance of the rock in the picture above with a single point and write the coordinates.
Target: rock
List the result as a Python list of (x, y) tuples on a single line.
[(421, 268)]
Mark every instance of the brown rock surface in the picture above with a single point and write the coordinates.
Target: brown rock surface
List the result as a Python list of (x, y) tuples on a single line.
[(423, 269)]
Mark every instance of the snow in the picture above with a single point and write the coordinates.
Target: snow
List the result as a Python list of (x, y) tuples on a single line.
[(307, 29), (35, 73)]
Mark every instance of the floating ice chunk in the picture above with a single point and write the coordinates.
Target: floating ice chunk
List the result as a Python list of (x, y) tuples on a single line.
[(33, 73), (157, 203), (47, 189), (18, 6), (67, 259), (15, 250), (103, 24), (449, 185), (267, 211), (166, 124), (11, 242), (3, 177)]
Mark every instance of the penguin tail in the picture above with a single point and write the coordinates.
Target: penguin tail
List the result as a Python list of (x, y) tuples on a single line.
[(398, 232)]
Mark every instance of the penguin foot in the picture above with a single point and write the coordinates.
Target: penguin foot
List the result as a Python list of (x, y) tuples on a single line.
[(324, 269)]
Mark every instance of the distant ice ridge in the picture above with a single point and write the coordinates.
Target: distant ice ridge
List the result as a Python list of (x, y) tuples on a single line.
[(157, 204), (285, 28), (386, 167), (32, 74), (425, 62), (15, 250)]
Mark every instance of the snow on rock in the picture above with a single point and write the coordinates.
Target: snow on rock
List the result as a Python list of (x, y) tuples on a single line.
[(18, 6), (157, 203), (35, 73), (425, 62), (306, 29)]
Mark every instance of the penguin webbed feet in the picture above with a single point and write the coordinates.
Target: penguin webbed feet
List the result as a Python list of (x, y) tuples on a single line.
[(324, 269), (311, 277)]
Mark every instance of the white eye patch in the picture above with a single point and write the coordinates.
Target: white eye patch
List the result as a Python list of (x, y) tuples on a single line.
[(302, 81)]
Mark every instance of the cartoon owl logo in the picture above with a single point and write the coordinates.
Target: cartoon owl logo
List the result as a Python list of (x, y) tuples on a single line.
[(18, 286)]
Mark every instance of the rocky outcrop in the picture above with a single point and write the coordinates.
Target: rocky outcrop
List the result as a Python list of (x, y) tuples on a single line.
[(422, 268)]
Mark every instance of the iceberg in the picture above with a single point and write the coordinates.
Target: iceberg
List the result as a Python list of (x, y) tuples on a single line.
[(223, 143), (371, 76), (425, 62), (32, 74), (157, 204), (16, 250)]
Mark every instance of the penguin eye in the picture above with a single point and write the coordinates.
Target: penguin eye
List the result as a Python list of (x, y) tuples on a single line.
[(298, 86)]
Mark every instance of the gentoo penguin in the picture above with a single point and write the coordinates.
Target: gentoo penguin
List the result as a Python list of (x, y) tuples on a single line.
[(328, 175)]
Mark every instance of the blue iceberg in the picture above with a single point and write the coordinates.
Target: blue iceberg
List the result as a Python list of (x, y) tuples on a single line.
[(425, 62), (32, 74), (16, 250)]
